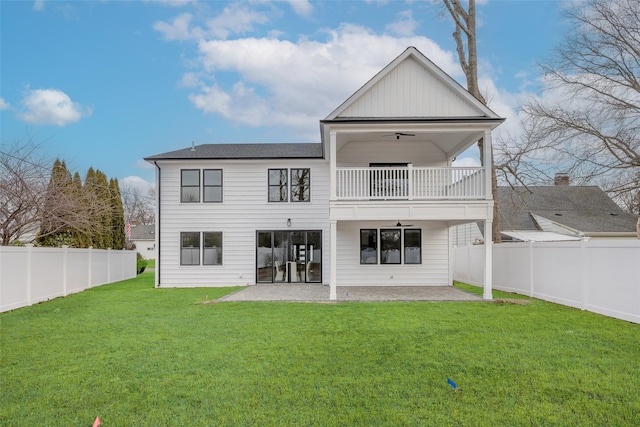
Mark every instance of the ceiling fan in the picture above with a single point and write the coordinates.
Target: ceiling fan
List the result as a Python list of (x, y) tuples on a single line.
[(399, 134), (399, 224)]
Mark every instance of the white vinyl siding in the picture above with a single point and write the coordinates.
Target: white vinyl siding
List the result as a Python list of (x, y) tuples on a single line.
[(245, 210), (433, 271)]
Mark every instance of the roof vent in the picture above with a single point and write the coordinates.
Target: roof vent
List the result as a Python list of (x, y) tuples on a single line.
[(193, 146), (561, 178)]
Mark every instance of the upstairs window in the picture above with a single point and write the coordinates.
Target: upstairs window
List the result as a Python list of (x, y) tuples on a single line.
[(278, 186), (300, 185), (190, 186), (212, 180)]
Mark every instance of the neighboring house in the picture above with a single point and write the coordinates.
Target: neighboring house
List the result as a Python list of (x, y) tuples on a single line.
[(562, 212), (371, 204), (144, 237), (556, 213)]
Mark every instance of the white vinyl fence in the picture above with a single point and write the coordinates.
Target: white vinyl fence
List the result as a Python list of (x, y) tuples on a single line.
[(29, 275), (602, 276)]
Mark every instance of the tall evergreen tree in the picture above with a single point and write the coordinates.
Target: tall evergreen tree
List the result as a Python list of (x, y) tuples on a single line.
[(57, 220), (91, 205), (80, 236), (117, 216)]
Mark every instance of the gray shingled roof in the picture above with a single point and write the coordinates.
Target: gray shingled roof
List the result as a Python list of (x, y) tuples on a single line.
[(143, 232), (245, 151), (587, 209)]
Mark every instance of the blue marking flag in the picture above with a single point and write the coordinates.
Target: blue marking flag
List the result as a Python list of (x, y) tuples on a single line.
[(452, 384)]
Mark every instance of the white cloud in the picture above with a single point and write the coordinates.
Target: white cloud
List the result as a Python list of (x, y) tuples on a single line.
[(179, 28), (135, 182), (4, 105), (51, 107), (404, 25), (234, 19), (38, 5), (172, 3), (278, 78), (301, 7)]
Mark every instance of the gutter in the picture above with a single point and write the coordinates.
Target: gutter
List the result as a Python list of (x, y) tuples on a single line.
[(158, 210)]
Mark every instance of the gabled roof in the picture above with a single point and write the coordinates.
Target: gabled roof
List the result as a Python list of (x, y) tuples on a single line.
[(143, 232), (585, 209), (411, 86), (245, 151)]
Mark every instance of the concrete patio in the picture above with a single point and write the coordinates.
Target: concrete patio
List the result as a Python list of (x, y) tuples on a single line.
[(320, 293)]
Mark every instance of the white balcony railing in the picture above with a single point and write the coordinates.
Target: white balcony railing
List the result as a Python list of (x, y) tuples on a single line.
[(410, 183)]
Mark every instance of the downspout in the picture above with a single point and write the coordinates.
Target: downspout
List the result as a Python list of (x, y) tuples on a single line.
[(158, 210)]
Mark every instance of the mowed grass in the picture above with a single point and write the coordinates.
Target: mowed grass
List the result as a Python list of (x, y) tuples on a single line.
[(138, 356)]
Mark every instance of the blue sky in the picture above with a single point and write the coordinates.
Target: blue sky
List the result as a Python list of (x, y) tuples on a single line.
[(106, 83)]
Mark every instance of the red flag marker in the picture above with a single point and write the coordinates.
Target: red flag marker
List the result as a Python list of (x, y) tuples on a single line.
[(97, 422)]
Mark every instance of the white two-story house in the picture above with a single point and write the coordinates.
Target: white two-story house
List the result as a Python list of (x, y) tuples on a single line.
[(371, 204)]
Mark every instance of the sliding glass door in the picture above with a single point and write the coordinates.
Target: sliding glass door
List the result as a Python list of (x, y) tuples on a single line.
[(289, 256)]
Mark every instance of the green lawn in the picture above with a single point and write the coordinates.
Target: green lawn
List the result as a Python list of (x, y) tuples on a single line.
[(138, 356)]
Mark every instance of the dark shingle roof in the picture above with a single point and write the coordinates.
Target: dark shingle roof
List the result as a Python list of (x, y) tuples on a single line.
[(587, 209), (245, 151)]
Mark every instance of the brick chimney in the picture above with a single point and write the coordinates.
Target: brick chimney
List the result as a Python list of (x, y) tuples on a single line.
[(561, 178)]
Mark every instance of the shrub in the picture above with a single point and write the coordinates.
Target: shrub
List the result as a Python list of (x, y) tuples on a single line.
[(141, 263)]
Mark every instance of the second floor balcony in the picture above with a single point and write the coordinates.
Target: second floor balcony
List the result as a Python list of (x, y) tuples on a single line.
[(410, 183)]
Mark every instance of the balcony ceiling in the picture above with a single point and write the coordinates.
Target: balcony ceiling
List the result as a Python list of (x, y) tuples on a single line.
[(451, 142)]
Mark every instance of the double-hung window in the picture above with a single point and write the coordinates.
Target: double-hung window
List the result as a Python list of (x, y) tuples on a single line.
[(278, 186), (212, 180), (190, 248), (190, 185), (211, 248), (300, 185), (290, 185)]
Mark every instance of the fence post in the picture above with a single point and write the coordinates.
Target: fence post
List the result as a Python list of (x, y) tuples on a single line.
[(531, 269), (28, 278), (65, 267), (108, 265), (89, 255), (583, 271)]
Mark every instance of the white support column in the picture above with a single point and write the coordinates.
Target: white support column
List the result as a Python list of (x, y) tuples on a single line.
[(333, 292), (332, 165), (488, 260), (487, 154)]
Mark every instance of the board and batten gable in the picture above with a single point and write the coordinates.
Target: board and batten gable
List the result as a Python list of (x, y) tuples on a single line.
[(410, 90), (244, 210)]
